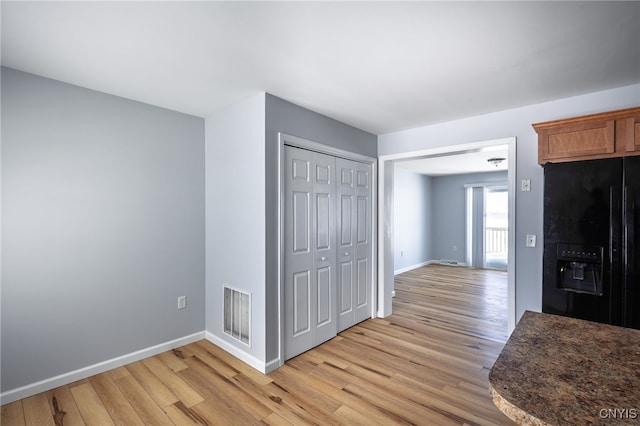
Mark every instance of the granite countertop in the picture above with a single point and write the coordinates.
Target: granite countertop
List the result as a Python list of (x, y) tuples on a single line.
[(556, 370)]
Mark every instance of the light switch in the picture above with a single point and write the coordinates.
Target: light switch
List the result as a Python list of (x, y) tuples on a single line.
[(526, 185), (531, 240)]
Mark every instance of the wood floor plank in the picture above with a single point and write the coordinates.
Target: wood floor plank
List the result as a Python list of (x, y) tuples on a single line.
[(235, 363), (400, 411), (226, 410), (118, 373), (300, 391), (146, 408), (318, 357), (154, 387), (90, 406), (181, 389), (67, 412), (37, 411), (182, 352), (274, 419), (12, 414), (428, 363), (225, 390), (173, 360), (114, 401), (376, 414), (471, 412), (203, 354), (353, 417), (331, 374), (217, 414), (180, 414), (394, 395), (292, 408)]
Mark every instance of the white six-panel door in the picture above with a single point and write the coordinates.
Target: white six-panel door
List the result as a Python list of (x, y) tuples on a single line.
[(327, 247), (310, 250), (354, 242)]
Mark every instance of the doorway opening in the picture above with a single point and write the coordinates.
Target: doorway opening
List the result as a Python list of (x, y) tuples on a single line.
[(496, 228), (487, 225), (452, 250)]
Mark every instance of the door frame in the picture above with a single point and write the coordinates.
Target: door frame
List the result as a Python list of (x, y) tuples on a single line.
[(295, 141), (385, 219)]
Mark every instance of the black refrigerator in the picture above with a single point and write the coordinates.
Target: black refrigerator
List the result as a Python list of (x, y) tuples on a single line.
[(591, 259)]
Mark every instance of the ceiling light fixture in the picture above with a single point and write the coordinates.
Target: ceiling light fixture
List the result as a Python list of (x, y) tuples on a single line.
[(496, 160)]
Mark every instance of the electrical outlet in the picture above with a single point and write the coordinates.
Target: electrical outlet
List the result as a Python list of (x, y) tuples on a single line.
[(182, 302), (526, 185), (455, 248), (531, 240)]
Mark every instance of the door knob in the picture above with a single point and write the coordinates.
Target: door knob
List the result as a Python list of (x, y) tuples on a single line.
[(346, 253), (323, 259)]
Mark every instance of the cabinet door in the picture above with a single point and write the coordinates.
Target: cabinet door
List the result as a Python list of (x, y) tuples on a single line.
[(580, 141), (628, 133)]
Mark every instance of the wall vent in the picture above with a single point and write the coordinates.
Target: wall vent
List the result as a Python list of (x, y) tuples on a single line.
[(237, 314), (449, 262)]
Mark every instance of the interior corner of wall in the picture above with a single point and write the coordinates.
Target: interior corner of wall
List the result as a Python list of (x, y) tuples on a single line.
[(238, 352), (273, 365)]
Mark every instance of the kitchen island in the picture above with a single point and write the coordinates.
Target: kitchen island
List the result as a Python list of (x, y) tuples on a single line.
[(556, 370)]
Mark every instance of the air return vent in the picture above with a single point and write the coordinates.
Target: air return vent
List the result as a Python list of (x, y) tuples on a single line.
[(237, 314)]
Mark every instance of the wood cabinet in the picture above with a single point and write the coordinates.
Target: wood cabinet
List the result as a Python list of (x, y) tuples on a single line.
[(604, 135), (629, 128)]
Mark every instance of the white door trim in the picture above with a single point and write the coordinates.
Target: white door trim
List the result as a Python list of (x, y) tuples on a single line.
[(385, 219), (285, 139)]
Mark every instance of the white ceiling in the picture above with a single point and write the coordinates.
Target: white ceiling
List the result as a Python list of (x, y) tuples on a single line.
[(459, 163), (379, 66)]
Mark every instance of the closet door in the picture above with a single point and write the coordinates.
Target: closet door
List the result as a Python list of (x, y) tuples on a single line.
[(363, 244), (354, 242), (346, 243), (310, 250)]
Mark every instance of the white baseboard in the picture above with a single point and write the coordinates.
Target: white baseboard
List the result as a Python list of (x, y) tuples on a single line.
[(447, 262), (82, 373), (254, 362), (416, 266), (272, 365)]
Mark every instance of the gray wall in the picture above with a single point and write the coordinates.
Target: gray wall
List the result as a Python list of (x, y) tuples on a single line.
[(235, 227), (413, 219), (285, 117), (514, 123), (102, 227), (449, 206)]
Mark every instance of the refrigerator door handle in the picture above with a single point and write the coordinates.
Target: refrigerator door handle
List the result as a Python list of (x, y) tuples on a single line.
[(628, 221), (629, 231), (628, 241), (615, 287), (615, 239)]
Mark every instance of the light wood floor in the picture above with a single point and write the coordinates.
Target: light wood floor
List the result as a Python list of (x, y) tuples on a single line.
[(427, 364)]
